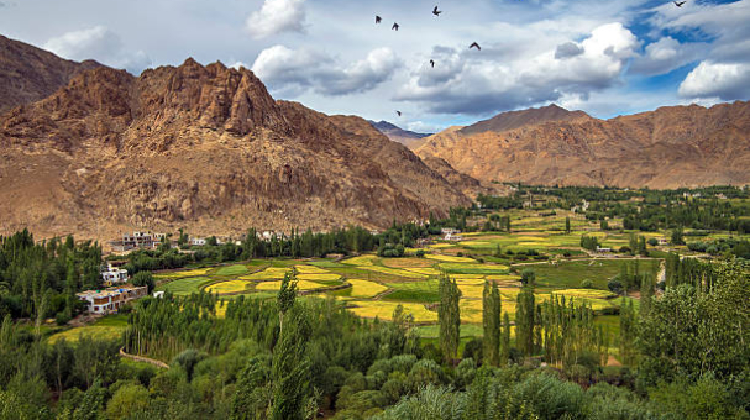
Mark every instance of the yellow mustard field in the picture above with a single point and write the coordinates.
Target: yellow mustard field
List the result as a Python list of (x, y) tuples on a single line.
[(365, 289)]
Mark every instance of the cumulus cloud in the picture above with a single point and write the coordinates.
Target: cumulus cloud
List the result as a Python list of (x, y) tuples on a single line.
[(568, 50), (296, 71), (726, 81), (98, 43), (276, 16), (479, 86), (667, 54)]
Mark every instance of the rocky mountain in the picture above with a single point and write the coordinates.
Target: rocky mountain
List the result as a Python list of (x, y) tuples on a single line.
[(410, 139), (28, 73), (670, 147), (515, 119), (204, 147)]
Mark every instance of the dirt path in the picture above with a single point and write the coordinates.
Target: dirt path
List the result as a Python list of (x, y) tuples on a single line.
[(154, 362), (383, 294)]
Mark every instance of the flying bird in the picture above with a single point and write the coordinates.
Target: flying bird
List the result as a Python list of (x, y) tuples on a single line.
[(679, 3), (436, 12), (432, 63), (378, 19), (474, 44), (395, 26), (399, 113)]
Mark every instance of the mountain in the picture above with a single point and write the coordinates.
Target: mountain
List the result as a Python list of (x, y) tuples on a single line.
[(205, 147), (515, 119), (28, 73), (676, 146), (410, 139)]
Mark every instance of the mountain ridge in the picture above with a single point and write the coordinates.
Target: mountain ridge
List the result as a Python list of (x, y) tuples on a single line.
[(673, 146)]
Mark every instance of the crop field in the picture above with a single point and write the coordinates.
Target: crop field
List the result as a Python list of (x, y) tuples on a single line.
[(301, 285), (232, 286), (232, 270), (108, 327), (384, 310), (365, 289), (185, 286), (182, 274)]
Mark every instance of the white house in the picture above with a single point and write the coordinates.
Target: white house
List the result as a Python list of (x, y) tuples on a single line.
[(454, 236), (198, 241), (603, 250), (113, 273), (110, 300)]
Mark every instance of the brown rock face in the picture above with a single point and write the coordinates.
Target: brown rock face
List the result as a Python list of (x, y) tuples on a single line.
[(201, 147), (28, 74), (409, 139), (668, 148)]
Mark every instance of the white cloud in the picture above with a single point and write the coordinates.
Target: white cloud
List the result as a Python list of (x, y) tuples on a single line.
[(667, 54), (276, 16), (726, 81), (296, 71), (98, 43), (473, 84)]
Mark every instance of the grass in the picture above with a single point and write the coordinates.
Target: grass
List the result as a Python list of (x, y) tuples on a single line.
[(463, 268), (185, 286), (569, 275), (326, 264), (232, 270), (433, 331), (424, 291)]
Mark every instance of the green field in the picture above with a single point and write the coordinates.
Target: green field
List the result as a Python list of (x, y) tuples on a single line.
[(109, 327)]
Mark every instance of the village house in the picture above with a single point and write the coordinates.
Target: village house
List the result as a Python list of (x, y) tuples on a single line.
[(454, 236), (114, 273), (603, 250), (662, 241), (146, 240), (109, 301), (197, 241)]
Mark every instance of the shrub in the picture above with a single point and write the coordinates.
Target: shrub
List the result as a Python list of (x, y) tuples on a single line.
[(587, 284)]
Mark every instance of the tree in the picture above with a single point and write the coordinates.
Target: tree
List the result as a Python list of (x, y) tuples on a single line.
[(528, 276), (491, 309), (628, 333), (285, 297), (143, 278), (127, 400), (677, 237), (567, 224), (291, 369), (449, 317), (525, 319)]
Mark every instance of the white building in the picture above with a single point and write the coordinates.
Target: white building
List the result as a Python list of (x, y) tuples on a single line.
[(454, 236), (110, 300), (198, 241), (602, 250), (113, 273)]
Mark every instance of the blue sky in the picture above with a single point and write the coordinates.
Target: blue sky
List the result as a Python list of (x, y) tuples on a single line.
[(606, 58)]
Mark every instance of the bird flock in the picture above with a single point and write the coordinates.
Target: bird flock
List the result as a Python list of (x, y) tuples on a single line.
[(437, 12)]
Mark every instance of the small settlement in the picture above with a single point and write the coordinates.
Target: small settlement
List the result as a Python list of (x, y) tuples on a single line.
[(108, 301)]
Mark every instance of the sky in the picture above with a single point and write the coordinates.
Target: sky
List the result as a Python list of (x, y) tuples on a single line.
[(604, 57)]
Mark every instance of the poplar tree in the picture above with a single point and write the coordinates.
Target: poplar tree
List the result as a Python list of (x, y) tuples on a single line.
[(491, 308), (449, 317)]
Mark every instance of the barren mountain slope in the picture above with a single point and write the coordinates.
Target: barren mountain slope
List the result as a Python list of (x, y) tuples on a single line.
[(201, 147), (28, 73), (667, 148)]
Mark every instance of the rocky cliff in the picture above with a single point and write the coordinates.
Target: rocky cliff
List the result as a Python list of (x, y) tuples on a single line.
[(409, 139), (28, 73), (671, 147), (204, 147)]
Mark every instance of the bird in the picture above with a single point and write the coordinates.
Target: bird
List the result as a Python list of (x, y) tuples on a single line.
[(399, 113), (432, 63), (395, 26), (474, 44), (378, 19), (679, 3), (436, 12)]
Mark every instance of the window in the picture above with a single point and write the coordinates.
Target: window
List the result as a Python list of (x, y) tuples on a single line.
[(96, 308)]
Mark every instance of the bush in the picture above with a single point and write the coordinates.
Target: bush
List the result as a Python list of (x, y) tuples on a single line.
[(653, 242), (528, 276), (419, 253), (625, 250), (614, 285), (587, 284), (62, 318)]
